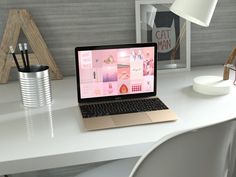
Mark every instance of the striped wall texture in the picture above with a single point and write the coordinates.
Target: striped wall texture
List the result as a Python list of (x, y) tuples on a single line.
[(65, 24)]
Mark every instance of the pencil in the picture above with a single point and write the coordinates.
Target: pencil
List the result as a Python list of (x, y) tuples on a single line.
[(14, 57), (22, 55), (27, 56)]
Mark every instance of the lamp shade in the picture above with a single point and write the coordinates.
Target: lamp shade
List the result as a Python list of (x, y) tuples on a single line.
[(196, 11)]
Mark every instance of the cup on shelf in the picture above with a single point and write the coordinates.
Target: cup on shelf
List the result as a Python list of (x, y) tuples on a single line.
[(35, 86)]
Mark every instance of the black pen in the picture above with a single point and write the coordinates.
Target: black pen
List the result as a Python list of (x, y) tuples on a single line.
[(22, 55), (14, 57), (27, 56)]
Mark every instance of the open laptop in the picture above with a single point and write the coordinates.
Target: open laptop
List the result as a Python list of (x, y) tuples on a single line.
[(117, 86)]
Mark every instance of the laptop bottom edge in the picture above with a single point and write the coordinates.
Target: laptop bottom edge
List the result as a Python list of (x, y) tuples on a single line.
[(130, 119)]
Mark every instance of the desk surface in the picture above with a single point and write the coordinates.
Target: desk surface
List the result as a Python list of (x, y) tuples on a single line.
[(34, 139)]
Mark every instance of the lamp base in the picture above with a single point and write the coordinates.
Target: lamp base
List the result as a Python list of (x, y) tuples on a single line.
[(211, 85)]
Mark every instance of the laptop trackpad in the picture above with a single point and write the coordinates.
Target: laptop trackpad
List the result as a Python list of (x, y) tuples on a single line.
[(131, 119), (99, 123)]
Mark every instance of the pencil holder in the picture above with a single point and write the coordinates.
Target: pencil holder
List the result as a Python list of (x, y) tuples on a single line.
[(35, 86)]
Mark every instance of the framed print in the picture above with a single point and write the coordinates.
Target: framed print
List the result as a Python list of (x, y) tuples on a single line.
[(156, 23)]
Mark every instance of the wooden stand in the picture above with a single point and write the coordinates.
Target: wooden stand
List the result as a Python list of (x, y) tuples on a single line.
[(21, 19), (230, 60)]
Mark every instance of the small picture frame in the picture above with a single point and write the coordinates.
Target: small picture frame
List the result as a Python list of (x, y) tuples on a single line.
[(156, 23)]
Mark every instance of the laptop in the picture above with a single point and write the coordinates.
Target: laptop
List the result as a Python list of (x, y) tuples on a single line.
[(117, 86)]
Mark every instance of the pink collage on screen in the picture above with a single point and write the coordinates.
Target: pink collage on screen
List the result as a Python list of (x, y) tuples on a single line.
[(111, 72)]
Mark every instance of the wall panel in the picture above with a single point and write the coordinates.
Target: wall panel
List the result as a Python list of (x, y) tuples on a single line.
[(65, 24)]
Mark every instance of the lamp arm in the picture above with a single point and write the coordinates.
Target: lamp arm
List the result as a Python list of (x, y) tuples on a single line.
[(228, 64), (179, 39)]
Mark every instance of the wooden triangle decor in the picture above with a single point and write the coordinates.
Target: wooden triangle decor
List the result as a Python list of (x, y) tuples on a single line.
[(21, 19), (229, 61)]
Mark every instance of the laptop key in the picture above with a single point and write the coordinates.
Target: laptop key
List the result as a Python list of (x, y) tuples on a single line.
[(122, 107)]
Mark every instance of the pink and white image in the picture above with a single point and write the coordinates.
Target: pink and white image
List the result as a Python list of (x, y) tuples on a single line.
[(85, 61), (124, 73), (148, 83), (137, 87), (109, 74), (110, 88), (123, 57), (136, 70), (116, 71), (124, 87), (91, 89)]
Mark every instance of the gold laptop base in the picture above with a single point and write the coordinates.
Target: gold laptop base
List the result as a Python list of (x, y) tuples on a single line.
[(124, 120)]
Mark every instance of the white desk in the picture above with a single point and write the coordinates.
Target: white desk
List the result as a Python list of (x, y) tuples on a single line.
[(44, 138)]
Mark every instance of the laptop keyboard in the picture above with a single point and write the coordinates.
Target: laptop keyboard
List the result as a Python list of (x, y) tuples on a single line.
[(122, 107)]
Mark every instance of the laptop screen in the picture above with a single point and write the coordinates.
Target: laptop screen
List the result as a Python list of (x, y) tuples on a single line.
[(116, 71)]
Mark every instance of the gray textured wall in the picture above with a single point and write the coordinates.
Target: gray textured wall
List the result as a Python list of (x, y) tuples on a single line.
[(65, 24), (212, 45)]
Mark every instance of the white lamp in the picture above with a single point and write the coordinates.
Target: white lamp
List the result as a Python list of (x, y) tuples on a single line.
[(196, 11), (200, 12)]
